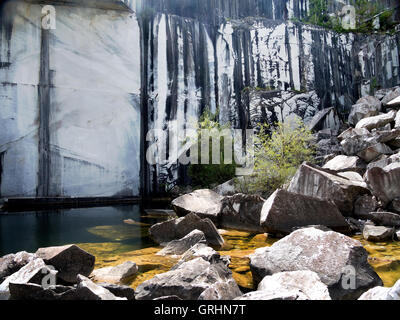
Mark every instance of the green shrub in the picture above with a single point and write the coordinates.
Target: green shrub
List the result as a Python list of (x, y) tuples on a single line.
[(278, 154), (207, 175)]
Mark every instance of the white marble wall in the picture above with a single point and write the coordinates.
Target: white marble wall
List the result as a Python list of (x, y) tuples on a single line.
[(94, 58)]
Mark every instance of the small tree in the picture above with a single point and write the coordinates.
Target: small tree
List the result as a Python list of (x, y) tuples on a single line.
[(207, 175), (278, 153)]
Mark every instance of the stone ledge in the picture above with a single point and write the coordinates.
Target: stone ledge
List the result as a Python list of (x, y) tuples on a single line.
[(121, 5)]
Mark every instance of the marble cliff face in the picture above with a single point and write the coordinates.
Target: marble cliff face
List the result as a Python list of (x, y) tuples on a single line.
[(76, 102)]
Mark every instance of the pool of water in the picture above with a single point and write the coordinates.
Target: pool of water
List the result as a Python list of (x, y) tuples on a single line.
[(116, 234), (31, 230)]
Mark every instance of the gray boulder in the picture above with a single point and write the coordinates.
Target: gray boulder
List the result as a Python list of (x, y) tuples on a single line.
[(88, 290), (378, 233), (201, 250), (116, 274), (32, 292), (342, 163), (390, 96), (167, 231), (241, 212), (307, 284), (69, 260), (381, 293), (397, 120), (205, 203), (377, 121), (33, 272), (284, 211), (316, 182), (11, 263), (394, 205), (360, 111), (374, 151), (118, 290), (372, 101), (340, 262), (189, 281), (382, 218), (178, 247), (365, 204), (384, 183)]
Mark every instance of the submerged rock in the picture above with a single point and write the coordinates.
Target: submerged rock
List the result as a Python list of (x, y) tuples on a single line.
[(170, 230), (336, 259), (378, 233), (205, 203), (284, 211), (316, 182), (115, 274), (192, 280), (178, 247), (69, 260)]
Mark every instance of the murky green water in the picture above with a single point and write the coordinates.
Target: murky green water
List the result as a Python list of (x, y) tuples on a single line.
[(120, 233)]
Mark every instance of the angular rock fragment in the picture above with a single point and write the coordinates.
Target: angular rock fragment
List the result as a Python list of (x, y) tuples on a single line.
[(241, 212), (32, 291), (317, 182), (377, 121), (331, 255), (284, 211), (378, 233), (365, 204), (307, 284), (362, 110), (120, 291), (381, 293), (33, 272), (178, 247), (205, 203), (390, 96), (88, 290), (372, 152), (69, 260), (116, 274), (189, 281), (384, 183), (11, 263), (342, 163), (167, 231)]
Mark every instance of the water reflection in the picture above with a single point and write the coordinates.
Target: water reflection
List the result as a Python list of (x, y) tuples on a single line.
[(31, 230)]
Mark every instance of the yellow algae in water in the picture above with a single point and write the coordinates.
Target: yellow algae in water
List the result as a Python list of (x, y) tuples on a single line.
[(384, 257), (119, 232), (148, 262)]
